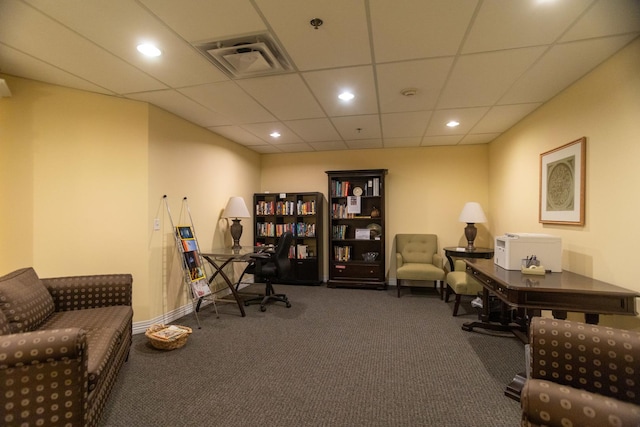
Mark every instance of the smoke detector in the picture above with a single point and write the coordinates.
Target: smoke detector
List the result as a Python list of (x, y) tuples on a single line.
[(409, 92), (249, 56)]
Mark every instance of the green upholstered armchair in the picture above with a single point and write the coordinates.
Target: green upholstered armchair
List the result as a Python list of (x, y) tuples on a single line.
[(581, 375), (460, 283), (417, 260)]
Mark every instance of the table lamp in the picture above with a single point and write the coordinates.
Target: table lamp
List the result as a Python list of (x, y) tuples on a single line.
[(236, 209), (472, 213)]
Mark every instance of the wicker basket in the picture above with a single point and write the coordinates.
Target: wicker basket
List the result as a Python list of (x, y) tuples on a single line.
[(176, 336)]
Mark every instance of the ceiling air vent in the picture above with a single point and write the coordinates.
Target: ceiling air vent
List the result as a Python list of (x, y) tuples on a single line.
[(249, 56)]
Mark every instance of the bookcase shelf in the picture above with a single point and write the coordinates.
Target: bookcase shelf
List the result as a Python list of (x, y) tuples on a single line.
[(356, 227), (302, 214)]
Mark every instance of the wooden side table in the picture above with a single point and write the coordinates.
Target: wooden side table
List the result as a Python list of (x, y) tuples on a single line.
[(462, 252)]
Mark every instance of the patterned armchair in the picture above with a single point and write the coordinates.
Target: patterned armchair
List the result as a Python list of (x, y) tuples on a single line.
[(581, 375)]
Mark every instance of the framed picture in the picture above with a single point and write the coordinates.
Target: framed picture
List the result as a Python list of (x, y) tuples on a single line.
[(562, 184)]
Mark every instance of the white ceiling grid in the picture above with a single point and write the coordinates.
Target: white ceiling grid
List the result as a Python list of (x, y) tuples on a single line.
[(485, 63)]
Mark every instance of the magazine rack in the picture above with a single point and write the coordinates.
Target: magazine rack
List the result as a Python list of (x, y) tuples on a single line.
[(195, 275)]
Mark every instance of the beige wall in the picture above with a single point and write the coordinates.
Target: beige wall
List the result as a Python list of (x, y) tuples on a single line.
[(82, 180), (604, 106), (426, 187)]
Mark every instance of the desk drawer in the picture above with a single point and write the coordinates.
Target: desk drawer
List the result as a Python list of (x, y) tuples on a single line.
[(497, 288), (355, 271)]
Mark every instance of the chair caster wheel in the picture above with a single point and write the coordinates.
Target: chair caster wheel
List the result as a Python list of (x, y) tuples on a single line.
[(288, 305), (263, 308)]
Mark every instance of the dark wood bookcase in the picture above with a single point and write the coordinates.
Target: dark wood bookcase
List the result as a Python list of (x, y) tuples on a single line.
[(356, 209), (302, 214)]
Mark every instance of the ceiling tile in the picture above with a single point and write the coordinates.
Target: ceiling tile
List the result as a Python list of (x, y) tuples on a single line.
[(328, 146), (229, 100), (364, 143), (120, 25), (295, 148), (264, 130), (206, 20), (501, 118), (606, 17), (480, 79), (402, 142), (413, 29), (341, 41), (441, 140), (560, 66), (358, 127), (266, 149), (314, 130), (467, 117), (393, 78), (20, 64), (478, 138), (327, 85), (237, 134), (522, 24), (286, 96), (56, 45), (180, 105), (402, 125)]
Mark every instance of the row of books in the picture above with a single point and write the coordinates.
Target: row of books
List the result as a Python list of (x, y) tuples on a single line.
[(339, 231), (300, 229), (297, 251), (340, 210), (342, 253), (286, 207), (370, 187)]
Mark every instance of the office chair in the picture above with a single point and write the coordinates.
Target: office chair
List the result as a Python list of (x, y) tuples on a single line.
[(269, 267)]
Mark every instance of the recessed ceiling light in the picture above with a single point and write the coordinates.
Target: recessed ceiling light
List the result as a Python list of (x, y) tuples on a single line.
[(453, 124), (346, 96), (148, 49), (275, 134)]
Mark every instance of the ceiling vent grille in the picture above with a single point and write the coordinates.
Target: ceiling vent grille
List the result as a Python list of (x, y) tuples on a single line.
[(249, 56)]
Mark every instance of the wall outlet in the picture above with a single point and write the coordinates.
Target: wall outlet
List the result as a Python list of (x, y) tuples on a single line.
[(156, 224)]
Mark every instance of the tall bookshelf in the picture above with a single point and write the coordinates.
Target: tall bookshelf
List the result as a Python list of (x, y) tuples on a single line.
[(356, 228), (302, 214)]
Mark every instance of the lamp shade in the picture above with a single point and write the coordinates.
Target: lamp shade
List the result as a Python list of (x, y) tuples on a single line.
[(472, 213), (236, 208)]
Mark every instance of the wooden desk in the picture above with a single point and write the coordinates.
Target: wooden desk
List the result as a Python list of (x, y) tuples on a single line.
[(559, 292), (462, 252)]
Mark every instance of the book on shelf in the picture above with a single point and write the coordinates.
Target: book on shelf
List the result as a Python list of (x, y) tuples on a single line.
[(342, 253)]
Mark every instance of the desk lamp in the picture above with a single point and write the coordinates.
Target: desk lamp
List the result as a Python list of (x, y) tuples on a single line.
[(236, 209), (471, 213)]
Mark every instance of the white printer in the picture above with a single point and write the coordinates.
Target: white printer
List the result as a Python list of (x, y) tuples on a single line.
[(512, 248)]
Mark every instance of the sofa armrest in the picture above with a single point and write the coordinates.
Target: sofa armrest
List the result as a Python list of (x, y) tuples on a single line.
[(47, 370), (550, 404), (595, 358), (399, 260), (82, 292)]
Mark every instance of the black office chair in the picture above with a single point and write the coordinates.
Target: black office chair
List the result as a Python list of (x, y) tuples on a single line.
[(268, 267)]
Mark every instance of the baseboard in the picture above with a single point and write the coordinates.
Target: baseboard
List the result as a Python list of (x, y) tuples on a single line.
[(166, 318)]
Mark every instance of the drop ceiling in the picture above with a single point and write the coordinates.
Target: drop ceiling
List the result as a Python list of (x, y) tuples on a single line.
[(486, 64)]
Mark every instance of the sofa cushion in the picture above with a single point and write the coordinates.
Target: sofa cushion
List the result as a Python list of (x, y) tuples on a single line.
[(105, 328), (24, 300), (4, 324)]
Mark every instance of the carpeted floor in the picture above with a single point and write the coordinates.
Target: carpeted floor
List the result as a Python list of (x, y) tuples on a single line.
[(337, 357)]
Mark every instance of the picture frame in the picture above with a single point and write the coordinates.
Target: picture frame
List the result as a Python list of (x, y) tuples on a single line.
[(562, 184)]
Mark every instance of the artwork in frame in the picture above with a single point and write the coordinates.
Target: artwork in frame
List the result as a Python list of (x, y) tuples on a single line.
[(562, 184)]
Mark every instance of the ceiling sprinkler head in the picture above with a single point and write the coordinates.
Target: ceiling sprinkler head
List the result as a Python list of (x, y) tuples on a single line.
[(409, 92), (316, 22)]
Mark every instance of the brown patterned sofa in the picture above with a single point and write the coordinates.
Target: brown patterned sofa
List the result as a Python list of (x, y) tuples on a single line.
[(62, 343), (581, 375)]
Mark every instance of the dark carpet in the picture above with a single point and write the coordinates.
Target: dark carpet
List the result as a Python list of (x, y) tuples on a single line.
[(337, 357)]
